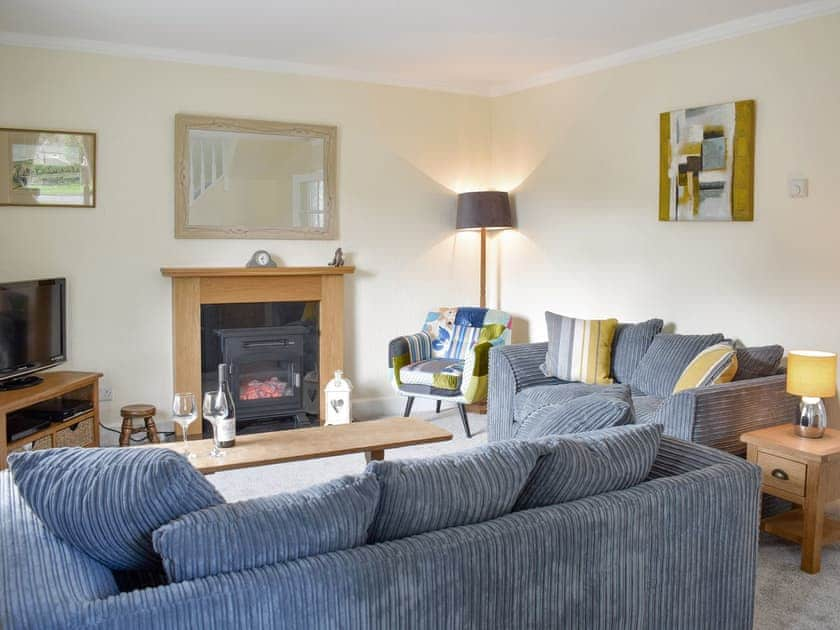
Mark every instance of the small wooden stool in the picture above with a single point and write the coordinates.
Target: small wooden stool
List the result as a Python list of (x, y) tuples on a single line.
[(129, 413)]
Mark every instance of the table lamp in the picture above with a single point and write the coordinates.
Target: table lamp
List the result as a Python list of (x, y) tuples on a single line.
[(484, 210), (812, 375)]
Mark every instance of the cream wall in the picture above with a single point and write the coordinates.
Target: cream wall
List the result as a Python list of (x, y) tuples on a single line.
[(581, 157), (401, 154)]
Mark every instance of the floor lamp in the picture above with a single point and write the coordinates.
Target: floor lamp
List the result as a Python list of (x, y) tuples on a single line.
[(484, 210)]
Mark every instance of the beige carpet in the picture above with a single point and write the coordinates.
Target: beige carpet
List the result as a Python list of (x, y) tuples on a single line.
[(786, 598)]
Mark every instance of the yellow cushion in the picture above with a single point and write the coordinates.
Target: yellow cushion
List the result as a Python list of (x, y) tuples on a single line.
[(716, 364)]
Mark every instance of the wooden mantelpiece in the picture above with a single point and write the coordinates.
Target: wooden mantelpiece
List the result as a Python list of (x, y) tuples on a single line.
[(192, 287)]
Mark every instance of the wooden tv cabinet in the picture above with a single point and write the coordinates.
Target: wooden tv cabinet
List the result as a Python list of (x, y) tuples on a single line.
[(80, 430)]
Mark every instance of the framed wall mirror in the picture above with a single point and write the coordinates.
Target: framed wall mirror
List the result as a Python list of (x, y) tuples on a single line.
[(239, 178)]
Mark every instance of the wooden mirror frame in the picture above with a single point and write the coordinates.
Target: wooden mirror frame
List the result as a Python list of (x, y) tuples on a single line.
[(185, 122)]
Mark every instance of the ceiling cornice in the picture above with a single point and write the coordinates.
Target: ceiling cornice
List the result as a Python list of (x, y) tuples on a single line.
[(28, 40), (685, 41), (671, 45)]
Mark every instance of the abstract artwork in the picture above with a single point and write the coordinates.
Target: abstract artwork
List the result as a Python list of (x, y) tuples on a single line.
[(706, 163)]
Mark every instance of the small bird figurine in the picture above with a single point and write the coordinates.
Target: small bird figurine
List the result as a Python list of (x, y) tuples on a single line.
[(338, 259)]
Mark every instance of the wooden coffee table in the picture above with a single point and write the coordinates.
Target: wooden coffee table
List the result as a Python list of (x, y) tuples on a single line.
[(259, 449)]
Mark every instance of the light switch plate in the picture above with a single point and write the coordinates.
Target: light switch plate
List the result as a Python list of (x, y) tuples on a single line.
[(798, 187)]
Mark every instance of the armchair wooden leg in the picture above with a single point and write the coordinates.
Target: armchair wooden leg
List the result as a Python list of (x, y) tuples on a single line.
[(437, 406), (409, 401), (462, 409)]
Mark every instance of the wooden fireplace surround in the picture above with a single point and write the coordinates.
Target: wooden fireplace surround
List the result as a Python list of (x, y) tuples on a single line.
[(192, 287)]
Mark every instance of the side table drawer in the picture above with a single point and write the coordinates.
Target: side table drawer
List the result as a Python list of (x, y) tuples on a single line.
[(784, 474)]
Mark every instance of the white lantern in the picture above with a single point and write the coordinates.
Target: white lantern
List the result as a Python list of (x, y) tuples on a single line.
[(338, 399)]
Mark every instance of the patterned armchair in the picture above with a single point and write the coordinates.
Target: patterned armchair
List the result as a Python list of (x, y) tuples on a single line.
[(448, 359)]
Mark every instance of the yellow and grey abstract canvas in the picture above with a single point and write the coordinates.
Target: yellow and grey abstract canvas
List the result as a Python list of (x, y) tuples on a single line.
[(706, 163)]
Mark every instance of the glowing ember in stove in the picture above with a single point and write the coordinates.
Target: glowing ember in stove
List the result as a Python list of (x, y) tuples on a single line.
[(268, 388)]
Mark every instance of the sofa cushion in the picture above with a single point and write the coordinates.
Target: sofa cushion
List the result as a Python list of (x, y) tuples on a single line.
[(713, 365), (664, 362), (472, 486), (645, 408), (630, 343), (587, 413), (579, 349), (268, 530), (37, 570), (534, 398), (577, 466), (108, 501), (436, 373), (758, 361)]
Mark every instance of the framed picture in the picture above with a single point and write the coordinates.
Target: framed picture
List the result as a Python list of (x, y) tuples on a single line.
[(41, 167), (707, 163)]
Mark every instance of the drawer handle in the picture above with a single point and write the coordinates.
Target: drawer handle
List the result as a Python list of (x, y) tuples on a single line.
[(778, 473)]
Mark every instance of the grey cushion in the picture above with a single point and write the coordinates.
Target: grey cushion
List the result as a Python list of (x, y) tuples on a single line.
[(577, 466), (630, 344), (37, 570), (587, 413), (534, 398), (108, 501), (646, 407), (472, 486), (758, 361), (249, 534), (572, 408), (664, 362)]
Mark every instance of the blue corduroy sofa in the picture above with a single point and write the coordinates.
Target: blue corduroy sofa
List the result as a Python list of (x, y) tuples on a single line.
[(676, 550), (648, 363)]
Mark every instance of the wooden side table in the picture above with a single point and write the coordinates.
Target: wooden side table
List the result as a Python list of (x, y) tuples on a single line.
[(803, 471)]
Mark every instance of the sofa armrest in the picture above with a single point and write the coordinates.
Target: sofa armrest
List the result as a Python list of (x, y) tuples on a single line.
[(512, 369), (676, 457), (405, 350), (717, 415)]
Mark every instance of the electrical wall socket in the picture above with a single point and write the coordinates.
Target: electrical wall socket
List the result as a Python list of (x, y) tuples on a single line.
[(106, 393), (798, 187)]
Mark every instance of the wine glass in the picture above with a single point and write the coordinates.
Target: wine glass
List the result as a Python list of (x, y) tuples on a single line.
[(215, 409), (184, 412)]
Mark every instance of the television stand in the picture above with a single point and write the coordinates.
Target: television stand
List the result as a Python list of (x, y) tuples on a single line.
[(21, 382), (81, 429)]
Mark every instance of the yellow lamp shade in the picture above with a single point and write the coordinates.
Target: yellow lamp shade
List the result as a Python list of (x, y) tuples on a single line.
[(812, 374)]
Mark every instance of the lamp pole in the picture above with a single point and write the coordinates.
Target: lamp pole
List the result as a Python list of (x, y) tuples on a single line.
[(483, 297)]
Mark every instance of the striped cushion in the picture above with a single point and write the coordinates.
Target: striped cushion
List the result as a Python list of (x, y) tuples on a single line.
[(758, 362), (437, 373), (249, 534), (108, 501), (715, 364), (582, 465), (587, 413), (579, 349), (664, 362), (37, 570), (472, 486), (630, 343)]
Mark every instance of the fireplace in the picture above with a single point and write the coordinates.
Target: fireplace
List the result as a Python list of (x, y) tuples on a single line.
[(272, 353), (267, 368), (266, 293)]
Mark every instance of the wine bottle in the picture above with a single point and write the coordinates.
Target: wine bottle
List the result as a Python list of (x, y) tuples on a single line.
[(226, 429)]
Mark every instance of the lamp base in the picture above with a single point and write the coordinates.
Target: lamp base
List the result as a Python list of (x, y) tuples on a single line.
[(812, 418)]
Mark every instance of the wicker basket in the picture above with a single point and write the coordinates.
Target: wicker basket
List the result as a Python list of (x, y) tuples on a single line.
[(37, 445), (80, 434)]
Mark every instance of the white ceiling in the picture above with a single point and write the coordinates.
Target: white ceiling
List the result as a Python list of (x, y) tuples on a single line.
[(482, 46)]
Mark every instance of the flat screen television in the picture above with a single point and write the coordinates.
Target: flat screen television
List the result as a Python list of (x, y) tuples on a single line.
[(32, 330)]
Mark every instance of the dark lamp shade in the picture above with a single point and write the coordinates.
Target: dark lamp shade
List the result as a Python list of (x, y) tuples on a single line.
[(485, 209)]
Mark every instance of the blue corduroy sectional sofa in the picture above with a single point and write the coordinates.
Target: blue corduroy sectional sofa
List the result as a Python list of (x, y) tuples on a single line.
[(645, 366), (621, 528)]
